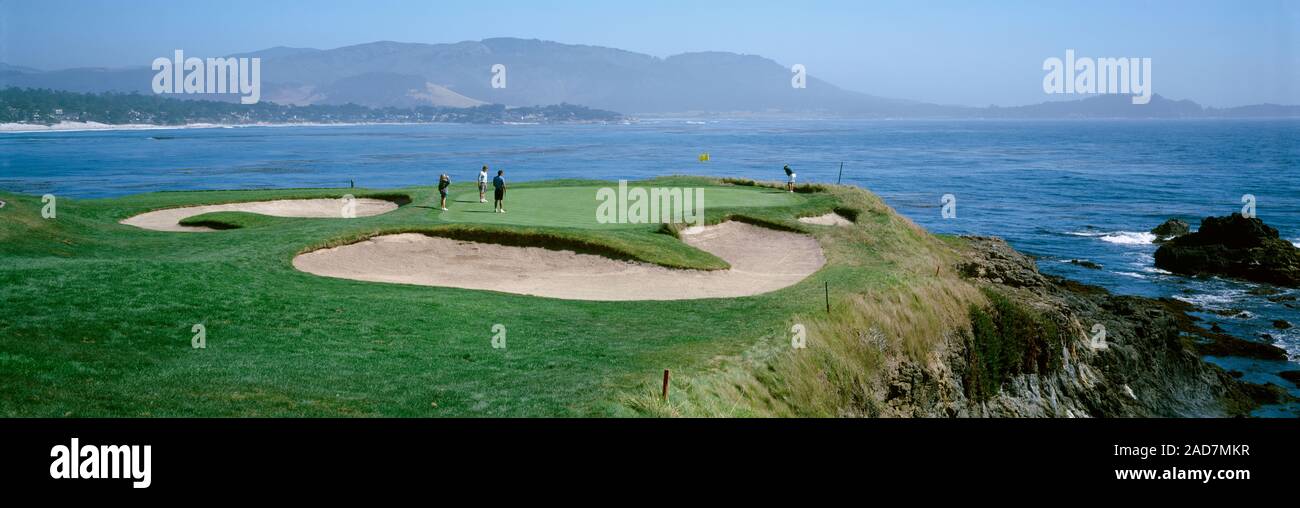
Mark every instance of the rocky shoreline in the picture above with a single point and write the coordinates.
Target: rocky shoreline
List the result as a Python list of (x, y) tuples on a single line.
[(1093, 354), (1152, 347)]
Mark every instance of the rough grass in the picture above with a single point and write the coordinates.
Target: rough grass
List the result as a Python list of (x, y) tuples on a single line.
[(892, 297), (799, 187)]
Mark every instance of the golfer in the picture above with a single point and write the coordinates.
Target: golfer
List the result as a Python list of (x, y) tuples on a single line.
[(499, 184), (789, 175), (482, 184), (444, 181)]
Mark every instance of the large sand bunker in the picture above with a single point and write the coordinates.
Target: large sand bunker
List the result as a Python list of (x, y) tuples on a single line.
[(761, 259), (169, 219)]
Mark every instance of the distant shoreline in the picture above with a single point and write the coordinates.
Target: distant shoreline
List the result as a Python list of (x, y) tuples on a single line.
[(24, 128), (28, 128)]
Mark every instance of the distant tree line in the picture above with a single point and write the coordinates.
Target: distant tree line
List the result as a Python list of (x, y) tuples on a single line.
[(47, 107)]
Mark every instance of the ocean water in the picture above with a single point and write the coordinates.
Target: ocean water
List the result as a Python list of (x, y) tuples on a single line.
[(1058, 190)]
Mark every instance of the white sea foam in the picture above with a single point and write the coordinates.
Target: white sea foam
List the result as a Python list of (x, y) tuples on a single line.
[(1288, 340), (1129, 238), (1296, 243), (94, 126), (1213, 300), (1141, 258), (1131, 274), (1118, 237)]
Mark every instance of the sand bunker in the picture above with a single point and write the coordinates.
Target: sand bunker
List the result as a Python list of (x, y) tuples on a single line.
[(169, 219), (830, 219), (761, 259)]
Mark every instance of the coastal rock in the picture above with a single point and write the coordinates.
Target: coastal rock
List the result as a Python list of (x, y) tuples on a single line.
[(1263, 291), (1170, 229), (1000, 264), (1291, 375), (1281, 324), (1233, 246), (1066, 350), (1086, 264), (1148, 365)]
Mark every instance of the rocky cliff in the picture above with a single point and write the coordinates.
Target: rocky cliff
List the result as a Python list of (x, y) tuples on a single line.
[(1050, 347)]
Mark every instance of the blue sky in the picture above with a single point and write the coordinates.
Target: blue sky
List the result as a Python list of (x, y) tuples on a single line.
[(973, 53)]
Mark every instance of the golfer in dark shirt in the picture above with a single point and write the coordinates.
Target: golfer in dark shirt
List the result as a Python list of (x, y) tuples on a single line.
[(499, 184)]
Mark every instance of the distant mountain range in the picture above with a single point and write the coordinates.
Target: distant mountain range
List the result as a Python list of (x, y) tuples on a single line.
[(393, 74)]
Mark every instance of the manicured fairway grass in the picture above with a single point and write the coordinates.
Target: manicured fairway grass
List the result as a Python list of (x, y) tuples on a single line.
[(97, 316)]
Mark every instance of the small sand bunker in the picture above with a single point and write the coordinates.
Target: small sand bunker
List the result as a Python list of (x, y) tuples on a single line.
[(830, 219), (169, 219), (761, 259)]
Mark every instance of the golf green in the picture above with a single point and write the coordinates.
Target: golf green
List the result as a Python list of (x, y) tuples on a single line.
[(576, 206)]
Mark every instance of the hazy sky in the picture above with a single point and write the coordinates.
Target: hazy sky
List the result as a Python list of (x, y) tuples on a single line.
[(1220, 53)]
